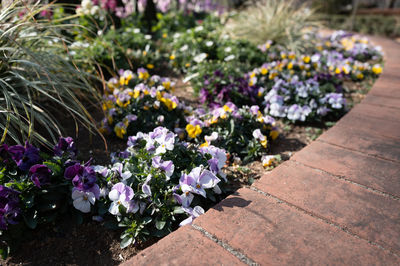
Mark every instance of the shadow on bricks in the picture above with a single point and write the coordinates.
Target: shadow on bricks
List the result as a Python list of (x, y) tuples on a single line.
[(233, 201)]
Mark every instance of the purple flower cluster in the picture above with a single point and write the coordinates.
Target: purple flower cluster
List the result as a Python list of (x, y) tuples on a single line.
[(237, 90), (9, 207)]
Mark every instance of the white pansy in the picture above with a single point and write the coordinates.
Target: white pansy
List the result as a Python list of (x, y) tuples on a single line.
[(82, 200)]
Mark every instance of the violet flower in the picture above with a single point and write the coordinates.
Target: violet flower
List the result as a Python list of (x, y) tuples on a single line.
[(198, 180), (167, 166), (122, 194), (194, 213), (40, 175), (65, 145), (26, 156), (9, 207)]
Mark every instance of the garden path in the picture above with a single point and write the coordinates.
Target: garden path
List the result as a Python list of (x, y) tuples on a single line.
[(337, 201)]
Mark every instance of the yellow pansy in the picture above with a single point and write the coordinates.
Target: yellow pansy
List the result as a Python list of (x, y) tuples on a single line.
[(193, 131), (120, 130), (274, 134), (150, 66), (136, 93), (306, 59), (290, 65), (337, 70), (205, 144), (169, 104), (144, 75), (167, 84), (360, 75), (264, 71), (214, 120), (227, 108), (264, 143), (108, 105), (377, 69), (123, 104), (267, 161)]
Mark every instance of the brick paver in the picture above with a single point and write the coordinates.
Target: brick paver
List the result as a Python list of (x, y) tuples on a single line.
[(186, 246), (375, 173), (372, 124), (362, 211), (274, 233), (335, 202)]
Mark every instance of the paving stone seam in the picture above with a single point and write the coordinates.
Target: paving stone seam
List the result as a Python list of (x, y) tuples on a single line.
[(324, 220), (238, 254), (343, 178), (359, 152), (374, 93)]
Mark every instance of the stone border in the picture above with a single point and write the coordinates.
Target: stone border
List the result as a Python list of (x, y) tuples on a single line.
[(337, 201)]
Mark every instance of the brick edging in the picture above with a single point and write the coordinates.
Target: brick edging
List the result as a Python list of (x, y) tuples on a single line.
[(337, 201)]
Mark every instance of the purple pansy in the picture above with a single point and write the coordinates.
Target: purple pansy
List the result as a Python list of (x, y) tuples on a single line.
[(198, 180), (167, 166), (26, 156), (65, 145), (122, 194), (40, 174), (9, 209), (194, 213)]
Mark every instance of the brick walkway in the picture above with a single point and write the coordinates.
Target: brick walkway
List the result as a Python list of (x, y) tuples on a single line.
[(335, 202)]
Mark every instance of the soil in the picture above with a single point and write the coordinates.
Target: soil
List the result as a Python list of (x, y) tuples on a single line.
[(65, 244)]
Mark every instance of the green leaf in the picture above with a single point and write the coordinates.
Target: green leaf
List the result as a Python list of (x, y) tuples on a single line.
[(146, 220), (126, 241), (31, 218), (29, 201), (4, 252), (160, 224), (178, 210), (55, 168)]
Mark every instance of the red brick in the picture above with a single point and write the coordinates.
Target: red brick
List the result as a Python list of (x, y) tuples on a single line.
[(185, 246), (379, 112), (366, 142), (364, 212), (369, 171), (273, 233), (363, 122), (387, 86), (382, 101)]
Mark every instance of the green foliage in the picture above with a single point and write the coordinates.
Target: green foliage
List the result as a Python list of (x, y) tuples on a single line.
[(283, 22), (36, 79)]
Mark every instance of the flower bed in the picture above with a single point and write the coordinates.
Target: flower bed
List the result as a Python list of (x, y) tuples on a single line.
[(178, 155)]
